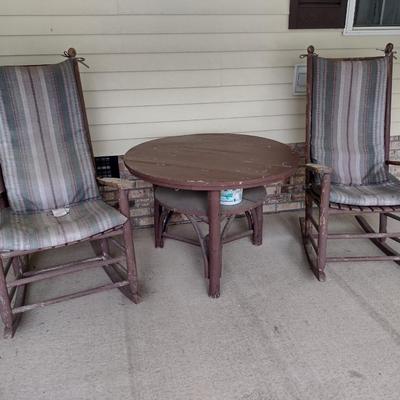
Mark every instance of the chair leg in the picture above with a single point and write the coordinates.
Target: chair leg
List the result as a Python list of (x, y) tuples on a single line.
[(318, 263), (131, 261), (322, 243), (308, 212), (5, 304), (382, 225), (129, 247), (383, 246), (19, 266), (323, 227), (105, 247), (113, 272), (306, 231)]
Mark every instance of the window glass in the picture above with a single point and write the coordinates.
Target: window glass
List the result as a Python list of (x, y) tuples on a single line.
[(377, 13), (391, 14)]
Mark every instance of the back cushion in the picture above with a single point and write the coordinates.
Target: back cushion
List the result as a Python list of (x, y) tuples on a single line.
[(44, 151), (348, 108)]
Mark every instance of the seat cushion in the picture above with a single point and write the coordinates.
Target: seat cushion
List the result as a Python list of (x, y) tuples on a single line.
[(41, 230), (45, 156), (348, 119), (381, 194)]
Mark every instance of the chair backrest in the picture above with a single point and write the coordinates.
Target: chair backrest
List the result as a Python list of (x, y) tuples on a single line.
[(348, 124), (45, 151)]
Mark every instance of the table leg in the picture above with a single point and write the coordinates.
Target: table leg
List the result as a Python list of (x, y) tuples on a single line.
[(215, 246), (157, 224), (258, 237)]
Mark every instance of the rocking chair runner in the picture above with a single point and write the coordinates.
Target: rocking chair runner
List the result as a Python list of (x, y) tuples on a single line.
[(47, 169), (347, 153)]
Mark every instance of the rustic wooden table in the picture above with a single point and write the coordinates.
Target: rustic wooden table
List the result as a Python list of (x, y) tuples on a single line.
[(212, 162)]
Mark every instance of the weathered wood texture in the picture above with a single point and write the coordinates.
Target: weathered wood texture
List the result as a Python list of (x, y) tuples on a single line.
[(194, 206), (15, 287), (316, 250), (211, 161)]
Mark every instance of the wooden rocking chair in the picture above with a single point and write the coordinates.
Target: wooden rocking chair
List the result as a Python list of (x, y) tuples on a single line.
[(49, 196), (347, 153)]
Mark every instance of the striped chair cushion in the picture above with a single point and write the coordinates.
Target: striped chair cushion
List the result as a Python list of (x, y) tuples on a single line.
[(44, 152), (348, 122), (380, 194), (41, 230)]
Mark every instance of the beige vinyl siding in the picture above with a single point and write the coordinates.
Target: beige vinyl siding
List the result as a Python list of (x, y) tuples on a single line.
[(160, 68)]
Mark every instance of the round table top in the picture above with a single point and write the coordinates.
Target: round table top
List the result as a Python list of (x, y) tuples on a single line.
[(211, 161)]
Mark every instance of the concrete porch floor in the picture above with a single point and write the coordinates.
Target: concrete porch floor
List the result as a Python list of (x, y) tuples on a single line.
[(275, 334)]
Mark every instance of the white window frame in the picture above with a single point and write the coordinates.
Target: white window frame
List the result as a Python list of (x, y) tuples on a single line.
[(351, 30)]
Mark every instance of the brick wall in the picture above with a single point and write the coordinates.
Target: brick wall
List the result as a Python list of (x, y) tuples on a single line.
[(280, 197)]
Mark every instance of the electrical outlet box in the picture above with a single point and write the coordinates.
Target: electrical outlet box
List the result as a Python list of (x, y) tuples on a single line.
[(300, 80)]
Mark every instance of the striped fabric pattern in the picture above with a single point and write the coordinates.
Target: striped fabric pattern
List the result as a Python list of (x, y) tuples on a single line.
[(44, 153), (348, 122), (381, 194), (41, 230)]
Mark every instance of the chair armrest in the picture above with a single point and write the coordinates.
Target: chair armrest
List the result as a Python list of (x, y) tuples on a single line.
[(320, 169), (392, 162), (325, 181), (123, 186), (116, 183)]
